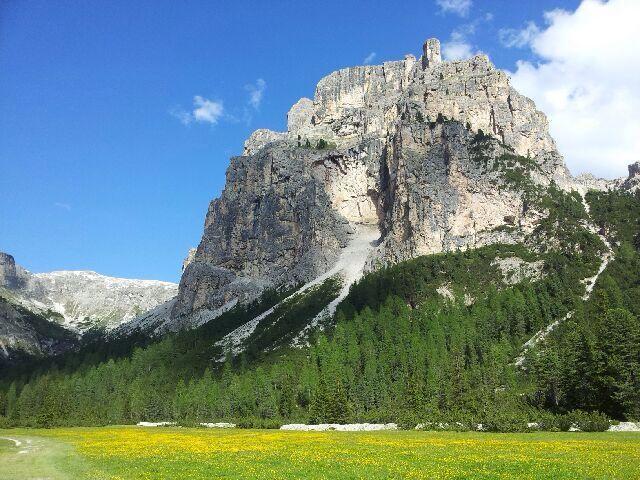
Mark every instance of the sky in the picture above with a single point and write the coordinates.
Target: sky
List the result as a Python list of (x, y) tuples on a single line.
[(118, 118)]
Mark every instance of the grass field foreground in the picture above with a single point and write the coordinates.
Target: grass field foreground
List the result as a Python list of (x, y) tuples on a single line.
[(167, 453)]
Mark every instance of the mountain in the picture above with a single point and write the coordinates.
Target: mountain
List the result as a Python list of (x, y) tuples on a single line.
[(387, 163), (39, 308), (412, 249)]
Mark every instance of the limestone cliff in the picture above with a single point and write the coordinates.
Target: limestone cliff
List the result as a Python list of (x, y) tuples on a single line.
[(430, 155)]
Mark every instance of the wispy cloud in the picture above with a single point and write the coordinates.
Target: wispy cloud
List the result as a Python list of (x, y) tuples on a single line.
[(63, 206), (203, 111), (369, 58), (256, 93), (459, 47), (512, 37), (459, 7)]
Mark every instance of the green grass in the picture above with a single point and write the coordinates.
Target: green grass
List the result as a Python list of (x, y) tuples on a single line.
[(186, 453)]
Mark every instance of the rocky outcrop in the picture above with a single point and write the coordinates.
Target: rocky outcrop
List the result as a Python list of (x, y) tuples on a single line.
[(9, 277), (431, 155), (632, 182), (273, 225)]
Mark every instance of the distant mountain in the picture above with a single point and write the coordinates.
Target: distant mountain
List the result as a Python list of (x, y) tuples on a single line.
[(73, 302)]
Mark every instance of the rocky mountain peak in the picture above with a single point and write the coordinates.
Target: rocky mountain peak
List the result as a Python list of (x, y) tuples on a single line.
[(416, 156), (632, 182)]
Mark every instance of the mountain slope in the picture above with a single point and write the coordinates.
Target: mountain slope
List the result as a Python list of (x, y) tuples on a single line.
[(26, 334), (46, 314)]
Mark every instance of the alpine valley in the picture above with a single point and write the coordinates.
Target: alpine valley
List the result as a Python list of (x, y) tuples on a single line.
[(412, 250)]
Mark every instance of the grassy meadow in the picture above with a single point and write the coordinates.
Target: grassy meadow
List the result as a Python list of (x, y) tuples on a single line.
[(186, 453)]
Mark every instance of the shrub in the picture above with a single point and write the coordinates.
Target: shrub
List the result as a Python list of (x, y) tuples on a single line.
[(4, 422), (563, 422), (590, 421), (256, 422)]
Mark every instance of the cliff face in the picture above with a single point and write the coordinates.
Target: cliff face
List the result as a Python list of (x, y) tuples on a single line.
[(431, 155), (26, 333)]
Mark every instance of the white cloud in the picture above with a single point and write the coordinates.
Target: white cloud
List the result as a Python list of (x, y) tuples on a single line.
[(256, 93), (204, 111), (511, 37), (459, 7), (457, 47), (587, 83), (207, 111), (369, 58)]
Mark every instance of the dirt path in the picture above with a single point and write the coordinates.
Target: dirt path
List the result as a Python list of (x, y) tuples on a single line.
[(25, 457)]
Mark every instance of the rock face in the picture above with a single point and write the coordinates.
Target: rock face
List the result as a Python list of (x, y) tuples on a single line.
[(632, 183), (23, 333), (10, 277), (81, 300), (427, 153)]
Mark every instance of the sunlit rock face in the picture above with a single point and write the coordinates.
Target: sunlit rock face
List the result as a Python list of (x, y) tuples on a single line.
[(392, 147)]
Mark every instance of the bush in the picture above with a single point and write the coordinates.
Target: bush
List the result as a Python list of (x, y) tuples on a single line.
[(4, 422), (590, 421), (256, 422), (563, 422)]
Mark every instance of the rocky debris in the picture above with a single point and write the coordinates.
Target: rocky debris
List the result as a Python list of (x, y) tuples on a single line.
[(156, 424), (589, 283), (350, 427), (514, 269), (218, 425), (445, 292), (625, 427)]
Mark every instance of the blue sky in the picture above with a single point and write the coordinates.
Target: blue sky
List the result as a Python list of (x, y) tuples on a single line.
[(103, 165)]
